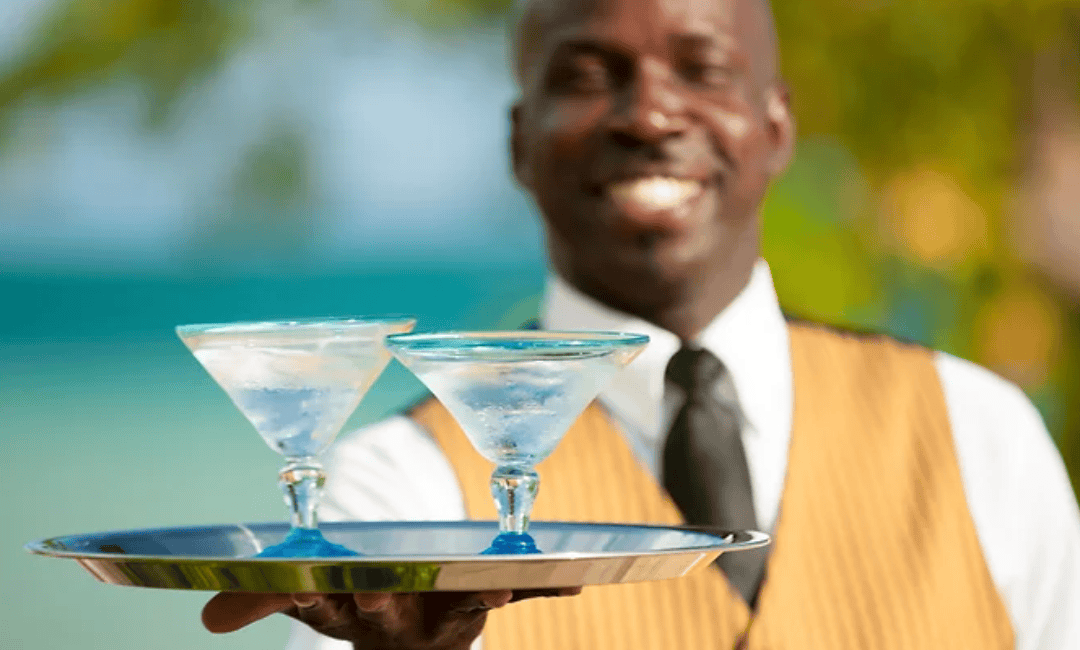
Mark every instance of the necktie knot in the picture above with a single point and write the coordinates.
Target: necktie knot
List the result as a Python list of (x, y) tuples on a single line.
[(695, 370)]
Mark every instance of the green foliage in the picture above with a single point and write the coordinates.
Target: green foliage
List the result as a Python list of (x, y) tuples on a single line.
[(271, 219), (443, 14), (821, 269), (163, 47)]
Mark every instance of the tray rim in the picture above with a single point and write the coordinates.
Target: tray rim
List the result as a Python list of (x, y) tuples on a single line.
[(38, 547)]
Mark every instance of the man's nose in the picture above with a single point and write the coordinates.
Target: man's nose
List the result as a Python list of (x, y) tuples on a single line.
[(652, 108)]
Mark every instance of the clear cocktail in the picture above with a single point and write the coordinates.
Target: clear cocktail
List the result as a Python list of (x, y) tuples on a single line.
[(297, 382), (515, 394)]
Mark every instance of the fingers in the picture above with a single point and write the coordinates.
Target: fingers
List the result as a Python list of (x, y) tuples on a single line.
[(496, 599), (525, 594), (372, 602), (455, 619), (230, 611), (482, 601), (333, 615)]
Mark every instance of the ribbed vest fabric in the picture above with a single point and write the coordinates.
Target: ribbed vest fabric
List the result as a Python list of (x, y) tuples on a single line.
[(874, 546)]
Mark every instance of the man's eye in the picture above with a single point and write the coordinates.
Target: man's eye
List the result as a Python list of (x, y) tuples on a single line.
[(584, 76), (709, 75)]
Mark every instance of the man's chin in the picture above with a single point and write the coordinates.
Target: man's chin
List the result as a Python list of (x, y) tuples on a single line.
[(668, 263), (643, 289), (640, 278)]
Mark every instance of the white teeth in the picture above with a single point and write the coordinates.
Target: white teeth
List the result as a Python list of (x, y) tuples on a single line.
[(655, 193)]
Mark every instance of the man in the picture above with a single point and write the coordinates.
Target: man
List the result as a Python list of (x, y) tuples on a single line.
[(915, 500)]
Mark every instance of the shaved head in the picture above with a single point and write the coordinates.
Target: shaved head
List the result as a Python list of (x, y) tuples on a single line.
[(533, 17)]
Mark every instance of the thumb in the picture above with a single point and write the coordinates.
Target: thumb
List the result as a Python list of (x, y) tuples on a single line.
[(230, 611)]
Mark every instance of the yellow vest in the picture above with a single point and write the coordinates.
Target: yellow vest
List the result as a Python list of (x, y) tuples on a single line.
[(874, 547)]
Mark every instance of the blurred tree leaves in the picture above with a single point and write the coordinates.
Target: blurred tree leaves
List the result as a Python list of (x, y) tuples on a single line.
[(272, 218), (163, 50), (808, 228), (453, 14), (163, 47)]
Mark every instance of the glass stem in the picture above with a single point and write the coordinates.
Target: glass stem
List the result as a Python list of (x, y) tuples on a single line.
[(301, 481), (514, 490)]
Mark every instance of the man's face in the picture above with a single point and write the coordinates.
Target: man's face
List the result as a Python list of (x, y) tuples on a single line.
[(647, 132)]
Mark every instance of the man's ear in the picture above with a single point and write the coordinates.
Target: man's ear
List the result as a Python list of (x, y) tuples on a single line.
[(517, 147), (780, 127)]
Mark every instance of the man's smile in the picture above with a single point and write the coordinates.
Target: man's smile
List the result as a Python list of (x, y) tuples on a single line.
[(657, 203), (653, 193)]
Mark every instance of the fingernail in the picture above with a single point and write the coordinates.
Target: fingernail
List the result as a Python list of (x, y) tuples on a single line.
[(371, 602), (304, 601), (497, 599)]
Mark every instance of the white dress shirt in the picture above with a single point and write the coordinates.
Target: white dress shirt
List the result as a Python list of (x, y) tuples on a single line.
[(1025, 513)]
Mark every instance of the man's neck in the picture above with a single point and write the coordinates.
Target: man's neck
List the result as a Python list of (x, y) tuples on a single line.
[(685, 310), (695, 307)]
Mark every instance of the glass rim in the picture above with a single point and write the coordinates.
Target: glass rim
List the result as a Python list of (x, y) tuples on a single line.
[(555, 339), (278, 325)]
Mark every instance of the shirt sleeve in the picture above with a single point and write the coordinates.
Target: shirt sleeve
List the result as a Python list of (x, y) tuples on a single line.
[(389, 471), (1021, 501)]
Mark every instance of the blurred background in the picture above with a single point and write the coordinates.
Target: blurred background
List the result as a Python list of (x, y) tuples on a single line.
[(166, 162)]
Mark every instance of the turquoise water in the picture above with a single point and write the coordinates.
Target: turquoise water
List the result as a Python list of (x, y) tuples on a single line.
[(107, 422)]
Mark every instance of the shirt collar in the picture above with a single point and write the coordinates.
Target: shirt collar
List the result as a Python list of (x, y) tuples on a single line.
[(749, 337)]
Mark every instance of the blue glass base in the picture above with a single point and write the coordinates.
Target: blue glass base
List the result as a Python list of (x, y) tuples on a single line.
[(511, 544), (306, 542)]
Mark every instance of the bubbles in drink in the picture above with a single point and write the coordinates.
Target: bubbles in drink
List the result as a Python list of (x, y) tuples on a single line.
[(297, 397), (516, 413), (297, 422)]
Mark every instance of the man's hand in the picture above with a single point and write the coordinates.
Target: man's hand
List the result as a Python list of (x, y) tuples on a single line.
[(412, 621)]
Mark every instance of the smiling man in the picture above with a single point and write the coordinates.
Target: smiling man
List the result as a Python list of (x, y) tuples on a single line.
[(647, 133), (915, 500)]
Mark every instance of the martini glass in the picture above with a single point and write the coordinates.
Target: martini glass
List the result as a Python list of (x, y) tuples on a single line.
[(515, 394), (297, 382)]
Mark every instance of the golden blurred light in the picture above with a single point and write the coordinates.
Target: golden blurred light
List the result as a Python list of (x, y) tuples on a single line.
[(929, 217), (1018, 334)]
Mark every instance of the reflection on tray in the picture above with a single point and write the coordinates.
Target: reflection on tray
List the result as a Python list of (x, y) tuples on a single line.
[(393, 539), (512, 544), (306, 542), (400, 556)]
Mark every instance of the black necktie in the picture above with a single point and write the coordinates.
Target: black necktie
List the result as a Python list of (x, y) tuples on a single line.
[(704, 466)]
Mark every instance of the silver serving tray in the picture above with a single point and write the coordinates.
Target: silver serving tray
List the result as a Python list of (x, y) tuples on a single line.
[(398, 556)]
